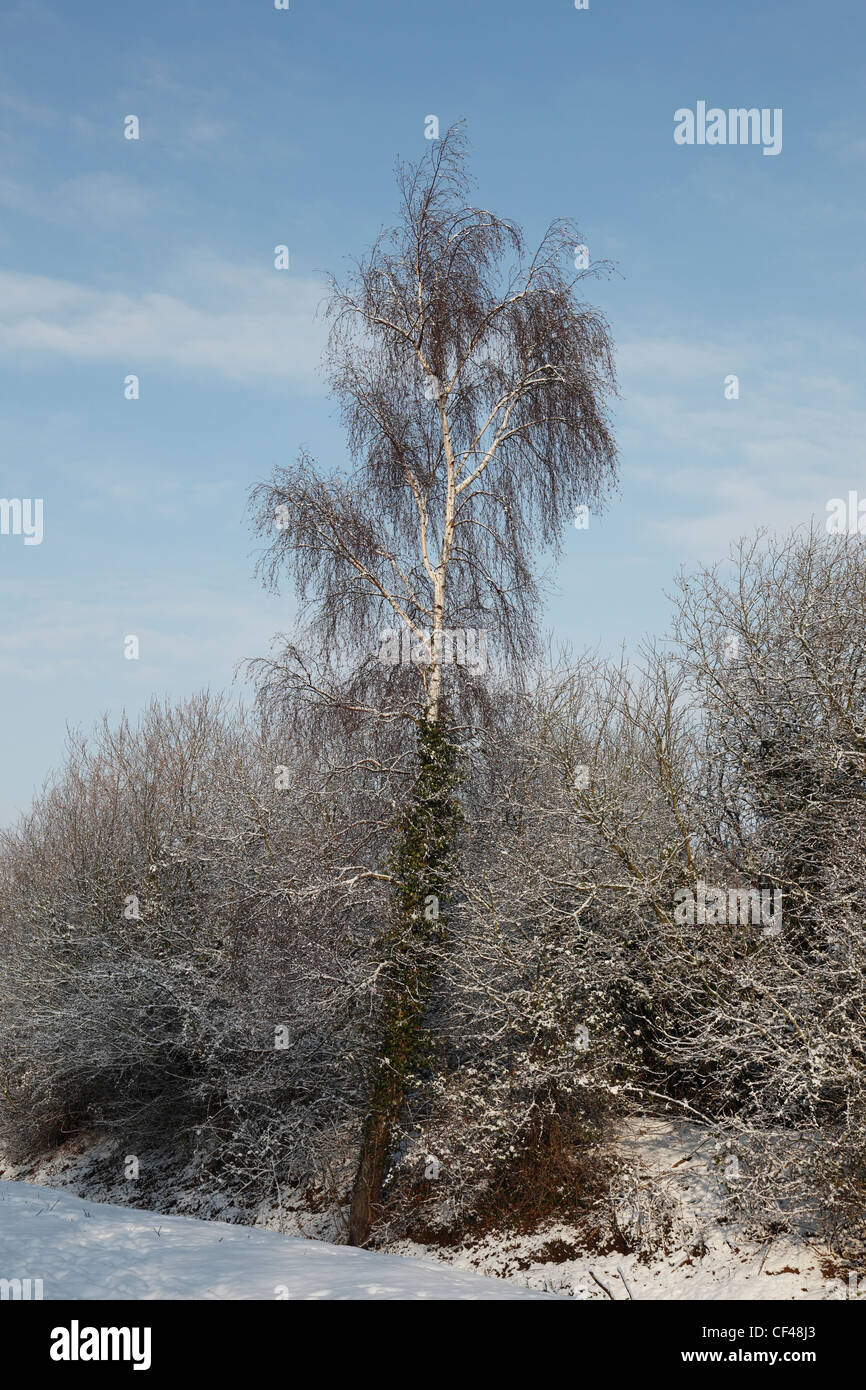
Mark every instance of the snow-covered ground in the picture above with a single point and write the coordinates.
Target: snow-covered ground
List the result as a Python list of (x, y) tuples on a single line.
[(670, 1208), (705, 1259), (89, 1250)]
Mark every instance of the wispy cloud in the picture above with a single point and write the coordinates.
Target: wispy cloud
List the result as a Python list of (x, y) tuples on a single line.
[(717, 469), (252, 325), (189, 634), (105, 198)]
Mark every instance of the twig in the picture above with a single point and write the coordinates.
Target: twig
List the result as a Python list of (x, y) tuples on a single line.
[(602, 1286), (686, 1158), (622, 1277)]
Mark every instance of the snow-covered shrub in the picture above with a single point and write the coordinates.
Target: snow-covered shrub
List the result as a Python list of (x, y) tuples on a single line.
[(183, 960)]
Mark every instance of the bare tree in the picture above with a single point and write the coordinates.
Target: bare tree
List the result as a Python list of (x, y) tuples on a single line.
[(473, 388), (215, 935)]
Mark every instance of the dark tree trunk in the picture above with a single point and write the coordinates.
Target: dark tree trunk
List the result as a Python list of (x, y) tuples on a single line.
[(386, 1102), (425, 843)]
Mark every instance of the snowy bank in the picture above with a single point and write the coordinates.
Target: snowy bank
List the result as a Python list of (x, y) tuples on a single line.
[(86, 1250)]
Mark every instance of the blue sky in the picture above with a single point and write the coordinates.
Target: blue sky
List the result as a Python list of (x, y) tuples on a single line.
[(261, 127)]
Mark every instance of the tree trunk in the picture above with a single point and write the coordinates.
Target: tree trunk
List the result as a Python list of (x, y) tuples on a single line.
[(386, 1103), (424, 845), (368, 1181)]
